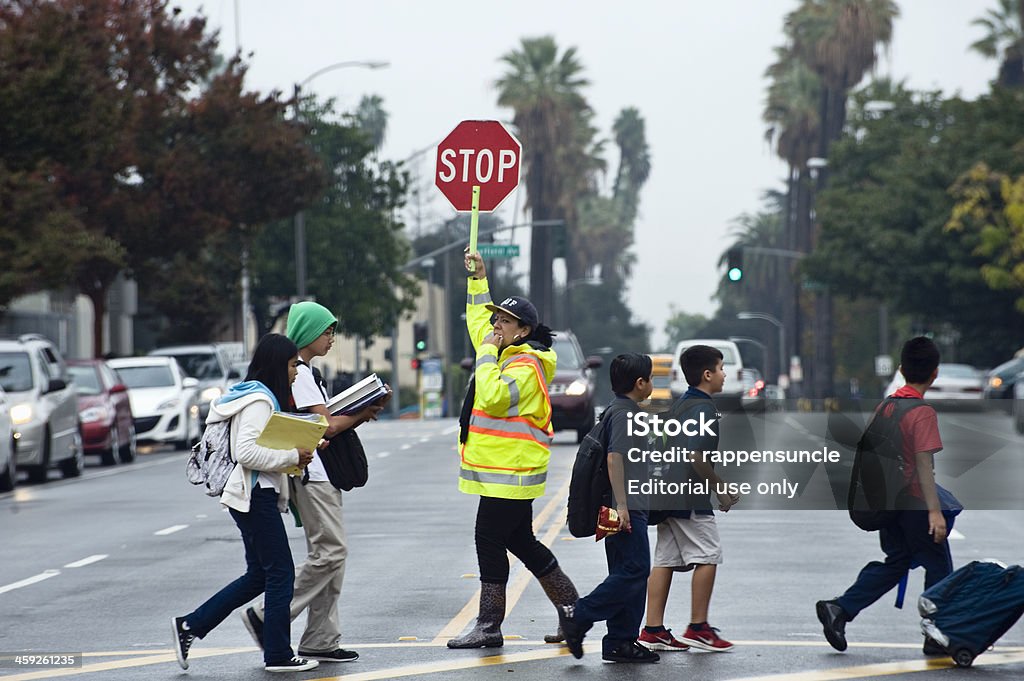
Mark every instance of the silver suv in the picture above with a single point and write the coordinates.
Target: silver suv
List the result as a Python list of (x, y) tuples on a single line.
[(43, 407)]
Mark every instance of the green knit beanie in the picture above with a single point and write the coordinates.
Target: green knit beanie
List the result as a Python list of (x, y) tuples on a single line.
[(306, 321)]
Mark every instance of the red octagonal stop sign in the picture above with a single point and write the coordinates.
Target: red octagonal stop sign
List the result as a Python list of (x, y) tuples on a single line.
[(480, 153)]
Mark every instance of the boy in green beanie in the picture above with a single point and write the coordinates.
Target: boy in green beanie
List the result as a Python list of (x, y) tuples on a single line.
[(311, 327)]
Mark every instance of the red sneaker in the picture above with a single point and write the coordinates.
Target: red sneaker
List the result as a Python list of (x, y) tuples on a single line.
[(663, 640), (706, 638)]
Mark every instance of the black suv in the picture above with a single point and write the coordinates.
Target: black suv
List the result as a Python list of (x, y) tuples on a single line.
[(574, 387)]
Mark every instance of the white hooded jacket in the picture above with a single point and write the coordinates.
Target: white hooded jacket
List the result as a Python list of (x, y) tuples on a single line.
[(251, 414)]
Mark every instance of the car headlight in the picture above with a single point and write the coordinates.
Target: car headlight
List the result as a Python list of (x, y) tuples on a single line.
[(210, 394), (21, 414), (169, 404), (995, 382), (577, 387), (93, 414)]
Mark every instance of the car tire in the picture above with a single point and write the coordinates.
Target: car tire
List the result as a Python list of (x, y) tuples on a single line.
[(9, 478), (73, 466), (129, 450), (40, 472), (109, 456)]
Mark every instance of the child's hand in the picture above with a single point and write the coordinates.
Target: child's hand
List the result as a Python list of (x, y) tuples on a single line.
[(937, 526), (726, 501), (305, 457)]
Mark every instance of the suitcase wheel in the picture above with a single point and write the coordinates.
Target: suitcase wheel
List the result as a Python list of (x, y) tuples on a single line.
[(963, 657)]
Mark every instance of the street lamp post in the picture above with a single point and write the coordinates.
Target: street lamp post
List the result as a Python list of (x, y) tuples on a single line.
[(300, 216), (782, 336)]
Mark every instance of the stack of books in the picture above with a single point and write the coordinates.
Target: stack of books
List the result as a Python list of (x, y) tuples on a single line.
[(364, 393)]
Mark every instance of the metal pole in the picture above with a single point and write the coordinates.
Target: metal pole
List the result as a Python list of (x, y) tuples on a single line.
[(300, 227), (396, 407)]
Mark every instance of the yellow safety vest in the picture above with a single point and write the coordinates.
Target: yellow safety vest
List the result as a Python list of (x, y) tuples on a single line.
[(508, 446)]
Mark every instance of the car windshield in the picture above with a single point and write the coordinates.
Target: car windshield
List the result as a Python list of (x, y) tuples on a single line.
[(957, 371), (15, 372), (146, 376), (568, 357), (87, 382), (202, 365), (728, 356)]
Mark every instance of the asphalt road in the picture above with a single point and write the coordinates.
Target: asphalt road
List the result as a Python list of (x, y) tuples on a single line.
[(98, 565)]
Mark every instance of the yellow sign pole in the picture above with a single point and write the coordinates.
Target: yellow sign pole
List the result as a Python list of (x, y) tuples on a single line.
[(474, 219)]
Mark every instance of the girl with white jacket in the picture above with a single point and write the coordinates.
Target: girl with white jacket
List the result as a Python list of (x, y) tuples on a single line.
[(256, 495)]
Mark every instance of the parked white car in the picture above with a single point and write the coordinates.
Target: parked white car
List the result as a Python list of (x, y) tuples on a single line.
[(165, 402)]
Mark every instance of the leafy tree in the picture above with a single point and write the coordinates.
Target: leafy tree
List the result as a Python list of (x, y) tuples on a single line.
[(682, 325), (992, 204), (356, 247), (885, 213), (147, 152)]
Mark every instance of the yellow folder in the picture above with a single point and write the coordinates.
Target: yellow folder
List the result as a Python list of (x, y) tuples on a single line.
[(290, 431)]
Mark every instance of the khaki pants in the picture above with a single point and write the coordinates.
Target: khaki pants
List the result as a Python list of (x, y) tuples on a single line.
[(318, 580)]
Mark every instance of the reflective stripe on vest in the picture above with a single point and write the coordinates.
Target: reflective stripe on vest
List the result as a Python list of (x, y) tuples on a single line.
[(513, 395), (486, 359), (517, 429), (503, 478), (478, 298)]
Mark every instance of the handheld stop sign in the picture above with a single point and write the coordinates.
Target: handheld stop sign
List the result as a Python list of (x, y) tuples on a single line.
[(478, 166)]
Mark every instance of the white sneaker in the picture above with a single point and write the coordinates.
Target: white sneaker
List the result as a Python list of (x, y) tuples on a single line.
[(296, 664)]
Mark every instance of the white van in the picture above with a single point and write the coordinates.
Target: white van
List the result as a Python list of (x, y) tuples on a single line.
[(732, 362)]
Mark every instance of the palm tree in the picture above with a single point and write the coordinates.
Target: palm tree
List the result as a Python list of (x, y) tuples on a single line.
[(1004, 37), (838, 40), (543, 88), (634, 161), (793, 114)]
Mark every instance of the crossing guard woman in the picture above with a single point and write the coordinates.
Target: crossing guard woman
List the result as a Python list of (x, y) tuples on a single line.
[(504, 445)]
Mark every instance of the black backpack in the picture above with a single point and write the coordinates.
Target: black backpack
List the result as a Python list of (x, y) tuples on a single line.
[(589, 487), (876, 493), (344, 458)]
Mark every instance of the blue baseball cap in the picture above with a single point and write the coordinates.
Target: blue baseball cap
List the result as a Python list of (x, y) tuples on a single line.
[(519, 307)]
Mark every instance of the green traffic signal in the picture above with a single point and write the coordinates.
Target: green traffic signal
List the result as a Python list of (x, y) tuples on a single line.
[(735, 274)]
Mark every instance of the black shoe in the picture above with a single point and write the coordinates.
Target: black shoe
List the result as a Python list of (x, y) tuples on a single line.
[(254, 625), (296, 664), (339, 655), (182, 640), (833, 619), (630, 652), (573, 629), (933, 647)]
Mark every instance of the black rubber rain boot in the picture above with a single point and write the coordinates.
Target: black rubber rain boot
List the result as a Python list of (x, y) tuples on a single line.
[(487, 632)]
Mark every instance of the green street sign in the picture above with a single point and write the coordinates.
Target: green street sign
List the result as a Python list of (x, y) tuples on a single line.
[(498, 250)]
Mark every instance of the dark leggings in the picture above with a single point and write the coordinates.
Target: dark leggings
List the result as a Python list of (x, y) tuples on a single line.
[(504, 525)]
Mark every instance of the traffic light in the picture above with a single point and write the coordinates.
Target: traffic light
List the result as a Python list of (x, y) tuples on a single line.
[(559, 241), (419, 336), (734, 260)]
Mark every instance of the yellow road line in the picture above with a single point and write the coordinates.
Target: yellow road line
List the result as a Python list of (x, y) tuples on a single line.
[(885, 669), (454, 665), (469, 611)]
